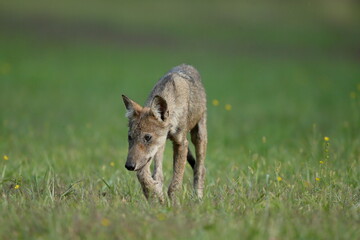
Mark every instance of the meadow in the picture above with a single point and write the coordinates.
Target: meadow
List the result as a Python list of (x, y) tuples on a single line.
[(283, 94)]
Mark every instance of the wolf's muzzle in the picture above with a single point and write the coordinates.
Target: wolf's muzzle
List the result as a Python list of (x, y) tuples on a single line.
[(130, 166)]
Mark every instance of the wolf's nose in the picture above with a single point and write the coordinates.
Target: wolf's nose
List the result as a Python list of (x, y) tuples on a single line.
[(130, 166)]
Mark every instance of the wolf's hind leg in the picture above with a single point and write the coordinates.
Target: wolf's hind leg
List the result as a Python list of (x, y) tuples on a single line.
[(199, 139)]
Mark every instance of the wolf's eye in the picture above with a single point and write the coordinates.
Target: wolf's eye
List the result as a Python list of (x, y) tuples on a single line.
[(129, 138), (147, 137)]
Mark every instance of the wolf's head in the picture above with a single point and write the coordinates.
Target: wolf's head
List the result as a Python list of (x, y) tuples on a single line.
[(148, 129)]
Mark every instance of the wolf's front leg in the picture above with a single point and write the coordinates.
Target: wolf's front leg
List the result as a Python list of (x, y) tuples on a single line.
[(150, 187), (158, 160), (158, 172), (180, 153)]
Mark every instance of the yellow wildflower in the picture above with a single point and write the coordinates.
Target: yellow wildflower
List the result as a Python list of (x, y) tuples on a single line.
[(353, 95), (112, 164), (5, 68), (6, 157), (326, 139), (263, 139), (17, 186), (161, 216), (317, 179), (228, 107), (321, 162), (279, 179), (105, 222), (215, 102), (307, 184)]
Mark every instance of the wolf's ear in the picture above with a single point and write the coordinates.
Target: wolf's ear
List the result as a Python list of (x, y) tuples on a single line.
[(159, 108), (133, 109)]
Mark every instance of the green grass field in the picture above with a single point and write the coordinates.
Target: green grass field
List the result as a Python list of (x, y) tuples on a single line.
[(271, 174)]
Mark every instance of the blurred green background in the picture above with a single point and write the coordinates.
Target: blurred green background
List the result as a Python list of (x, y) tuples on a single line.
[(287, 70), (269, 59)]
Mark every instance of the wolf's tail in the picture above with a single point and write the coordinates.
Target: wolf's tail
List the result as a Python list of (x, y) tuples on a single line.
[(190, 159)]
